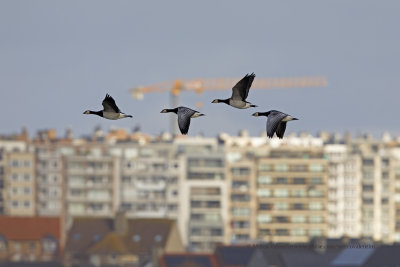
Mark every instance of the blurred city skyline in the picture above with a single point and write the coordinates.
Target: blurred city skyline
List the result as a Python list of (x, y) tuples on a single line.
[(59, 59)]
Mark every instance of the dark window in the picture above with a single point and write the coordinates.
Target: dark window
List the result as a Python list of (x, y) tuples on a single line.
[(281, 180), (316, 180), (282, 232), (368, 200), (368, 188), (299, 168), (299, 180), (368, 162), (281, 219), (265, 206), (298, 206)]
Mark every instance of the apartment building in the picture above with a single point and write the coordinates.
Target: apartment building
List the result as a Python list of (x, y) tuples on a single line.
[(396, 170), (5, 147), (203, 193), (344, 192), (91, 181), (377, 187), (291, 194), (49, 183), (150, 180), (242, 199), (20, 183)]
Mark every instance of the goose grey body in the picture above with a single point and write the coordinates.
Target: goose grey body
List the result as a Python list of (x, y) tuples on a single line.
[(184, 116), (110, 110), (239, 93), (276, 122)]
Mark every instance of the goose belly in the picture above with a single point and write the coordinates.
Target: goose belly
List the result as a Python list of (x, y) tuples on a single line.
[(238, 104), (111, 115)]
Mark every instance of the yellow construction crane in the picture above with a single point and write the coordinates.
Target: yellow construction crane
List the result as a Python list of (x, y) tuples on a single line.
[(213, 84)]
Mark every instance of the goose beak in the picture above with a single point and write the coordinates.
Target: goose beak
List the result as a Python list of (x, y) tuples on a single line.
[(163, 111), (215, 101), (255, 114)]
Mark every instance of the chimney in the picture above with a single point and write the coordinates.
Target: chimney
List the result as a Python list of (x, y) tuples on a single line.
[(120, 223)]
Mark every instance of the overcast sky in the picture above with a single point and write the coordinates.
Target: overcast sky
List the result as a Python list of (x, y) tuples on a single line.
[(59, 58)]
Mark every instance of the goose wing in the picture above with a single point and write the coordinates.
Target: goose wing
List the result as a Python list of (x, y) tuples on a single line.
[(280, 131), (273, 121), (184, 115), (241, 90), (109, 104)]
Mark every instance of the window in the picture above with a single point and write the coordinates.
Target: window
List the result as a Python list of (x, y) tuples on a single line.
[(315, 193), (298, 206), (315, 232), (282, 232), (299, 193), (281, 206), (299, 168), (240, 197), (281, 180), (368, 188), (298, 180), (263, 192), (281, 167), (14, 163), (196, 231), (298, 232), (315, 219), (281, 193), (240, 171), (216, 231), (264, 218), (241, 211), (316, 180), (315, 206), (281, 219), (316, 167), (264, 167), (368, 162), (298, 219), (264, 179), (265, 206)]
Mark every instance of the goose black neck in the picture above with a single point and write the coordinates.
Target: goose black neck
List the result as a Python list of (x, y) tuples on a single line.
[(99, 113), (226, 101), (175, 110), (264, 113)]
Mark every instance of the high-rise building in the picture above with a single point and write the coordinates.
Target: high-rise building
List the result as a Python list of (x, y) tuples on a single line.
[(344, 192), (202, 193), (92, 182), (50, 184), (20, 183)]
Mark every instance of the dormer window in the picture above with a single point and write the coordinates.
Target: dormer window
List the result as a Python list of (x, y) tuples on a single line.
[(158, 238), (49, 244), (136, 238)]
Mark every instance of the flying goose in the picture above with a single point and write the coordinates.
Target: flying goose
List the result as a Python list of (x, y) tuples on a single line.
[(110, 110), (184, 115), (239, 93), (276, 122)]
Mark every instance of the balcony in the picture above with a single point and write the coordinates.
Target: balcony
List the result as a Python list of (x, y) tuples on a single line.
[(151, 187)]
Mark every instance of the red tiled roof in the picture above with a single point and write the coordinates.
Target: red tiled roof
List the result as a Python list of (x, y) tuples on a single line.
[(29, 228)]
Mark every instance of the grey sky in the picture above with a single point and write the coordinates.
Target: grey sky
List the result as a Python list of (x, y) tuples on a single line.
[(59, 58)]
